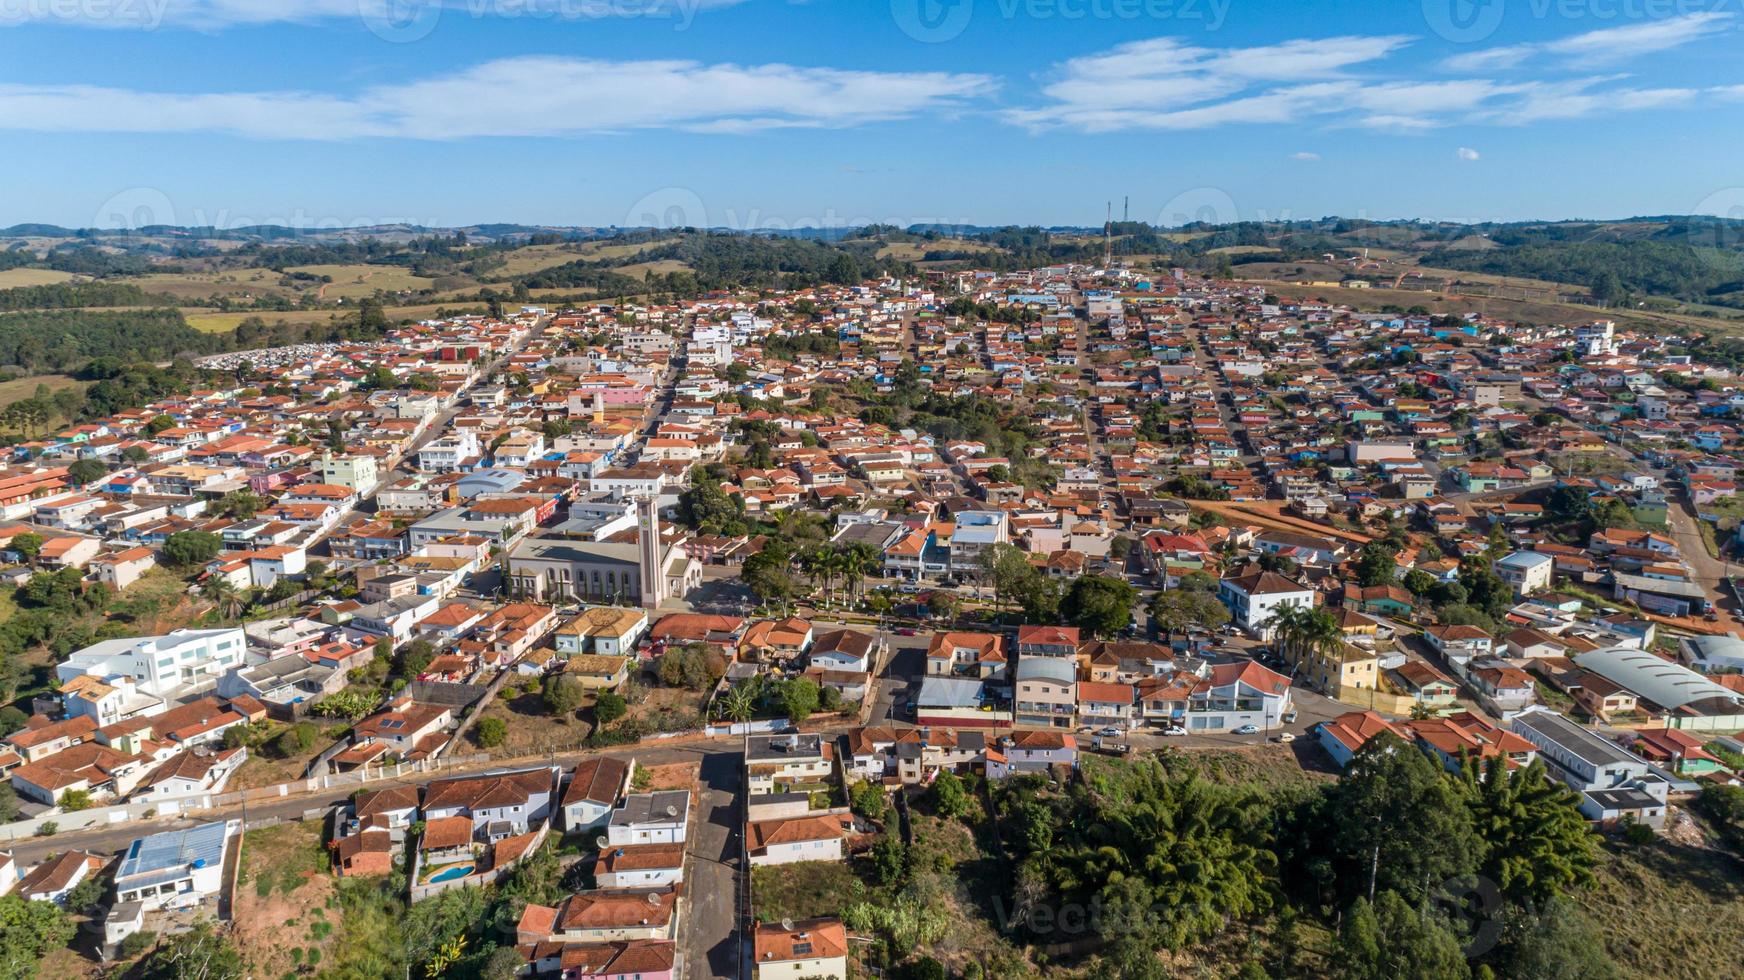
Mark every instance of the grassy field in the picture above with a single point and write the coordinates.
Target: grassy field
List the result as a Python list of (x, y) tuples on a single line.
[(1243, 250), (286, 915), (13, 278), (913, 251), (1669, 910), (211, 322), (362, 281), (1530, 311), (535, 258), (234, 283), (20, 388), (636, 270)]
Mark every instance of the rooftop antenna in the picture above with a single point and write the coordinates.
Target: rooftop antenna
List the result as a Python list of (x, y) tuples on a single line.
[(1126, 208)]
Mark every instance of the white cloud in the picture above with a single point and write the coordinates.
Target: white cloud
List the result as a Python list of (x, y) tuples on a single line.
[(1305, 156), (1466, 153), (1164, 84), (216, 15), (1606, 46), (530, 96)]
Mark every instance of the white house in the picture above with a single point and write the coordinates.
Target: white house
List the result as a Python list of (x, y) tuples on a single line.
[(176, 868), (650, 818), (816, 837), (1254, 597), (1526, 571), (640, 866), (812, 948), (593, 790), (181, 662)]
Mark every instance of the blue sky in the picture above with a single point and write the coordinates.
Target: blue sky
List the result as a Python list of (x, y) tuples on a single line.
[(770, 113)]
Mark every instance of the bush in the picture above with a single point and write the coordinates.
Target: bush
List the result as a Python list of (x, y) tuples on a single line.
[(491, 732), (609, 707), (563, 695), (1638, 834), (48, 828), (137, 943)]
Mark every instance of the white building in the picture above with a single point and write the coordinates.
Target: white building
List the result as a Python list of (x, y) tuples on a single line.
[(791, 950), (1254, 597), (357, 472), (650, 818), (1526, 571), (176, 868), (182, 662)]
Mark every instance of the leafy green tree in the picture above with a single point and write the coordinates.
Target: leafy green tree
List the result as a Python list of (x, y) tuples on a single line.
[(1397, 822), (889, 860), (491, 732), (1539, 844), (414, 657), (950, 798), (1419, 582), (869, 800), (1390, 940), (74, 800), (563, 694), (87, 470), (799, 699), (86, 894), (28, 544), (189, 548), (28, 932), (609, 707), (1099, 604), (1375, 565), (1556, 942), (9, 809), (1178, 610)]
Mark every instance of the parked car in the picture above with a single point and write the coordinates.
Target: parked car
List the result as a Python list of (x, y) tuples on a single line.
[(1247, 730), (1290, 717), (1111, 732), (1285, 737), (907, 631), (1174, 730)]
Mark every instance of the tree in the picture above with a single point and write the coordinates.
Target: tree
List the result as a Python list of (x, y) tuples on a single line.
[(200, 954), (1389, 940), (869, 800), (1178, 610), (1398, 823), (1539, 844), (889, 860), (28, 932), (1419, 582), (86, 895), (28, 544), (87, 470), (798, 698), (223, 595), (1099, 604), (189, 548), (608, 707), (950, 798), (9, 809), (241, 505), (74, 800), (691, 667), (414, 658), (491, 732), (1557, 942), (563, 694), (1375, 566), (739, 704)]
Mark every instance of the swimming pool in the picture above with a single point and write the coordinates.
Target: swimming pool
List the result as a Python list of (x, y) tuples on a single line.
[(451, 873)]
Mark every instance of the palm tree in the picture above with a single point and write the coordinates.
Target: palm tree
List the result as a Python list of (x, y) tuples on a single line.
[(225, 596)]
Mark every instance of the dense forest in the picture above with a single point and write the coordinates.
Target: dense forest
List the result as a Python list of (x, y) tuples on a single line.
[(74, 295), (1613, 269), (61, 340)]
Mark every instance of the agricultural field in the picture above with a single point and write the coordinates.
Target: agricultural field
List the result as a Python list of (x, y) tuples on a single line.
[(637, 270), (234, 283), (535, 258), (363, 281), (13, 278), (914, 251)]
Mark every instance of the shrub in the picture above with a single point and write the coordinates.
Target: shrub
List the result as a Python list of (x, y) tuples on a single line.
[(609, 707), (491, 732)]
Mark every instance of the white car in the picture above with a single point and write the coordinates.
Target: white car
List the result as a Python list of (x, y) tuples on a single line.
[(1283, 737), (1174, 730)]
